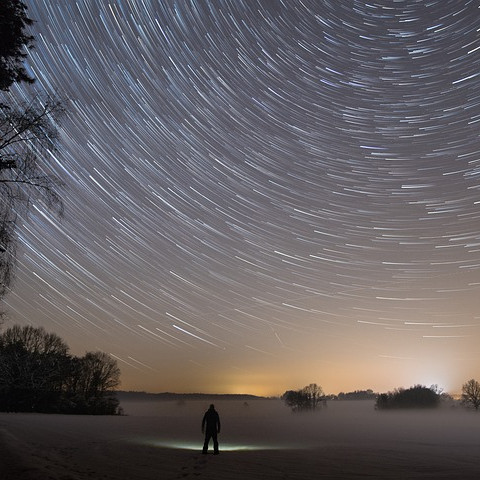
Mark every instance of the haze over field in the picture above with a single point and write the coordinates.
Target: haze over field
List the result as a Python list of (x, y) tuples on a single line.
[(262, 440), (261, 194)]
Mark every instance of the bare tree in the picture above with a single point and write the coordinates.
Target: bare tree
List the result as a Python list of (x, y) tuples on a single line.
[(296, 400), (314, 394), (471, 393), (28, 136), (38, 374), (33, 340), (98, 377), (308, 398), (31, 368), (100, 374)]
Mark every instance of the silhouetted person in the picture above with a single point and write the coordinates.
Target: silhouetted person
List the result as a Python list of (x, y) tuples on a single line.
[(211, 421)]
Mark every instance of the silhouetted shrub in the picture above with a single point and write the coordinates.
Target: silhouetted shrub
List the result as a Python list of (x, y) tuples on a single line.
[(417, 396)]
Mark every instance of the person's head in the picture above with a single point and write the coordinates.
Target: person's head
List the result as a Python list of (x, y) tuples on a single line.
[(212, 406)]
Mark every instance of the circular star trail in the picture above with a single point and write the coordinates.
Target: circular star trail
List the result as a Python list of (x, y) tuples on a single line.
[(261, 193)]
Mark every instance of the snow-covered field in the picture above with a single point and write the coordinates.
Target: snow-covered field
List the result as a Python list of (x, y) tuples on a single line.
[(259, 440)]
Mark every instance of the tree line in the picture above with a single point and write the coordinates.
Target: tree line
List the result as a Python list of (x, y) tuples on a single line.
[(420, 396), (417, 396), (37, 374), (309, 398)]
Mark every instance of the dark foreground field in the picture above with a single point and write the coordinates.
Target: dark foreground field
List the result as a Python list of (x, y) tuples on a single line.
[(261, 440)]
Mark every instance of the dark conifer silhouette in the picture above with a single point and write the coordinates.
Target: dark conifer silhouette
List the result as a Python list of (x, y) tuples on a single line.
[(14, 43)]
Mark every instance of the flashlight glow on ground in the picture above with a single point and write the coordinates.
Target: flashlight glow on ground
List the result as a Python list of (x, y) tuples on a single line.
[(224, 447)]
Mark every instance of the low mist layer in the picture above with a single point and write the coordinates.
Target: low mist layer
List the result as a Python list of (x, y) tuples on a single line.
[(259, 439), (270, 424)]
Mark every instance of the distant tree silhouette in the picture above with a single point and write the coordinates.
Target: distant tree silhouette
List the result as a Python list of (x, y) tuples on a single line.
[(38, 375), (417, 396), (314, 395), (308, 398), (471, 393), (295, 399), (357, 395)]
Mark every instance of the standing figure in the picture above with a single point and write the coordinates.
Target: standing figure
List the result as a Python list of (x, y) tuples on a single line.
[(211, 421)]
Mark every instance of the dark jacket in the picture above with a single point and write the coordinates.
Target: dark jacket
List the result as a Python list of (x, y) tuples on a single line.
[(211, 420)]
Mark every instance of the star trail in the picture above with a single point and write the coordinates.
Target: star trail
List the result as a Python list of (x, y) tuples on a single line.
[(261, 194)]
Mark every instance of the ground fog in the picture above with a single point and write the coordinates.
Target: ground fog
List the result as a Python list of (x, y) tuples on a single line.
[(260, 440), (270, 424)]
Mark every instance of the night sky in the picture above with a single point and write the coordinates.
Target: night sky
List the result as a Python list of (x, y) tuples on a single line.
[(261, 194)]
